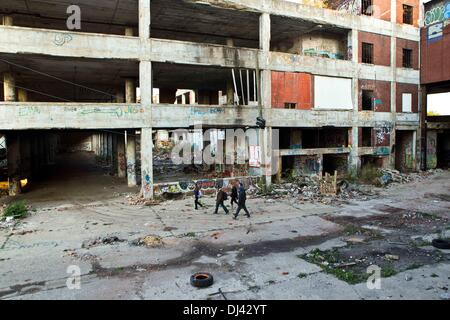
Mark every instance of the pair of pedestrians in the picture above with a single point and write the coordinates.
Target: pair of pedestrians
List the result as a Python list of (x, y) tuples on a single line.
[(238, 196)]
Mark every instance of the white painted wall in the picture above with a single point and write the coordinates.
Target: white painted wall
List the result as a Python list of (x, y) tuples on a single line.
[(332, 93)]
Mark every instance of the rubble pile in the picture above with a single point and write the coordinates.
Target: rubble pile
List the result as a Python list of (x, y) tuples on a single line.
[(388, 176), (308, 189), (137, 200)]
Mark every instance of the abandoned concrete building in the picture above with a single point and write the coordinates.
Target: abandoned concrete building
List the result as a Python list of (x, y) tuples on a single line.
[(338, 80), (435, 79)]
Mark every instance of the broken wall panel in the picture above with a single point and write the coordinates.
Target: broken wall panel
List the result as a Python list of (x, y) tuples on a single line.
[(291, 90), (332, 93)]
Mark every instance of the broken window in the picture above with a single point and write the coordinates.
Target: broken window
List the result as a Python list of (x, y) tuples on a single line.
[(289, 105), (367, 53), (407, 58), (367, 100), (407, 14), (367, 7), (366, 137)]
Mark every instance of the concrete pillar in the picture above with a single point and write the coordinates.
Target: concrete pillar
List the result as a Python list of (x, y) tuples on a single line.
[(22, 95), (131, 160), (230, 93), (14, 163), (109, 149), (144, 19), (354, 161), (129, 32), (230, 42), (130, 90), (264, 32), (145, 83), (120, 97), (7, 21), (121, 159), (9, 87), (147, 163)]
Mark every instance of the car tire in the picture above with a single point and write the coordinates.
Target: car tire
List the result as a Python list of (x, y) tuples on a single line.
[(202, 280), (441, 244)]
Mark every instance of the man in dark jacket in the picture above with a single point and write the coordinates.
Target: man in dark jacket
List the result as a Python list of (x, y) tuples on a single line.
[(221, 197), (197, 195), (234, 195), (242, 202)]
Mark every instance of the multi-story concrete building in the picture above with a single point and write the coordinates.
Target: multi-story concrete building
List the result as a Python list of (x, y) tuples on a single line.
[(338, 79)]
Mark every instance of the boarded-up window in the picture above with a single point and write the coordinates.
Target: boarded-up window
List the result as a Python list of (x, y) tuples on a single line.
[(291, 90), (407, 102), (332, 93)]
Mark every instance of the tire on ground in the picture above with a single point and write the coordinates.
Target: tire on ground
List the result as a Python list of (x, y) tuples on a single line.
[(441, 244), (202, 280)]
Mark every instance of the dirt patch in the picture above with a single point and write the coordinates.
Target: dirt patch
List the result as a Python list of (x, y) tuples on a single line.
[(149, 241)]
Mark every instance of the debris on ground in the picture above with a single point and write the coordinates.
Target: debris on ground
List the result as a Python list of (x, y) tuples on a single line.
[(388, 176), (135, 200), (108, 240), (149, 241)]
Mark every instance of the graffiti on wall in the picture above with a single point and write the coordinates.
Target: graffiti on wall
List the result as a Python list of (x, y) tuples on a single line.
[(118, 112), (436, 14), (28, 111), (205, 185), (383, 135), (431, 150)]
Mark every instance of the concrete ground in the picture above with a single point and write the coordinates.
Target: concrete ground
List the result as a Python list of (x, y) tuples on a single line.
[(265, 257)]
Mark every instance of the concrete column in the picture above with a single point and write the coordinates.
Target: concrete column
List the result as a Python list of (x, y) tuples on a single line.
[(131, 160), (354, 161), (9, 87), (121, 159), (144, 19), (22, 95), (7, 21), (264, 32), (130, 91), (129, 32), (230, 42), (120, 97), (109, 149), (147, 163), (14, 163), (230, 93), (145, 83)]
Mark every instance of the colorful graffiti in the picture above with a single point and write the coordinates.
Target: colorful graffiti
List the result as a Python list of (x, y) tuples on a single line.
[(437, 14), (205, 184), (323, 54)]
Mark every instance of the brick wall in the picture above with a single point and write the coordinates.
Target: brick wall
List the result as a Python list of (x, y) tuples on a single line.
[(408, 88), (408, 44), (381, 93), (435, 57), (416, 8), (381, 47)]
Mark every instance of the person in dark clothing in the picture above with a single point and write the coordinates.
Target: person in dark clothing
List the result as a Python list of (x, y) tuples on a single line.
[(234, 195), (242, 199), (197, 194), (221, 198)]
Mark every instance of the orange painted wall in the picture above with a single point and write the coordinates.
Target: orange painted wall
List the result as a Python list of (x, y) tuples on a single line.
[(292, 87), (382, 10)]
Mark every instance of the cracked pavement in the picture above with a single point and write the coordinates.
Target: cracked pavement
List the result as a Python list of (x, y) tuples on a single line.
[(257, 258)]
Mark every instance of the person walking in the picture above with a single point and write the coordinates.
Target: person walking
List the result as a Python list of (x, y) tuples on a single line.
[(197, 195), (234, 195), (242, 199), (221, 198)]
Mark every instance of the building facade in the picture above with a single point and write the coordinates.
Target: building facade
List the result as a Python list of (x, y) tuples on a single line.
[(337, 80)]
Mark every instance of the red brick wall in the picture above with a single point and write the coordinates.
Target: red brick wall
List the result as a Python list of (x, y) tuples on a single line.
[(292, 87), (381, 93), (408, 88), (416, 8), (381, 47), (435, 58), (407, 44), (382, 10)]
